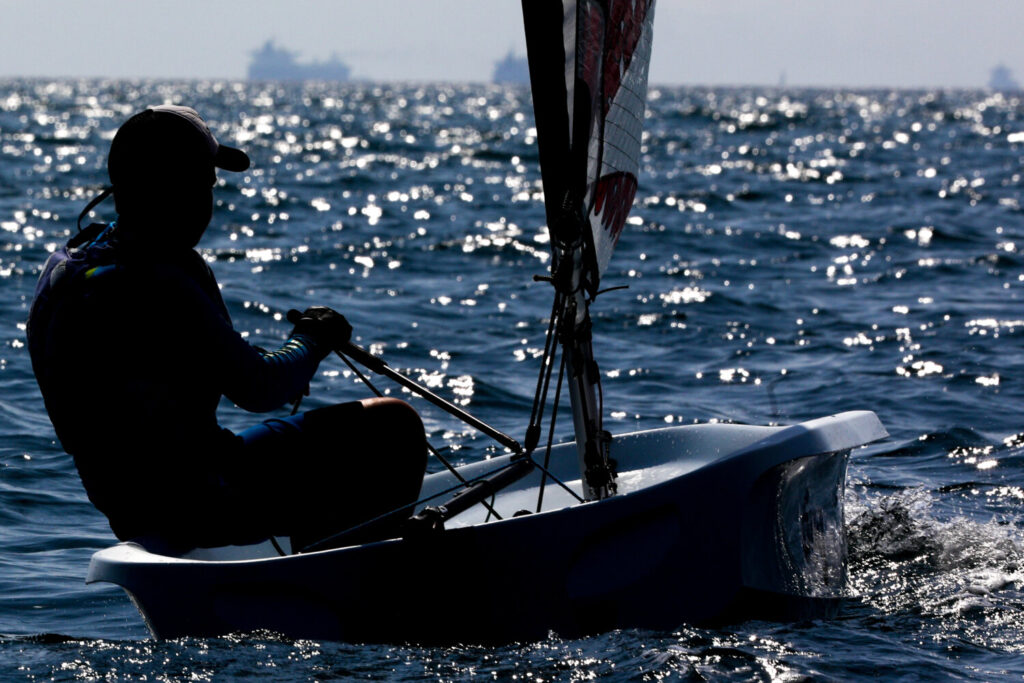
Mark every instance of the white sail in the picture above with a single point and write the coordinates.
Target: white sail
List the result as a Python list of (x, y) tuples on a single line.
[(590, 121)]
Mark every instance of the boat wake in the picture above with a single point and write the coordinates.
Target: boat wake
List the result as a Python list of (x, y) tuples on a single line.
[(965, 574)]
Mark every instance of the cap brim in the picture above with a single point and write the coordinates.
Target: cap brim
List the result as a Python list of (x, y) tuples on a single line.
[(231, 159)]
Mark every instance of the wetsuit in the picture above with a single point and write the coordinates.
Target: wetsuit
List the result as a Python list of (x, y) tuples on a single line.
[(133, 349)]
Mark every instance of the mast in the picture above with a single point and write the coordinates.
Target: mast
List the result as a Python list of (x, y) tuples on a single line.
[(597, 469), (588, 72)]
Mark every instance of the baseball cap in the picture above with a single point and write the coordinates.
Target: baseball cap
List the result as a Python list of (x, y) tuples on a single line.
[(228, 158), (166, 137)]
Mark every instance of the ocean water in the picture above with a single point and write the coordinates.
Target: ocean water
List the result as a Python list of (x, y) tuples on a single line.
[(792, 253)]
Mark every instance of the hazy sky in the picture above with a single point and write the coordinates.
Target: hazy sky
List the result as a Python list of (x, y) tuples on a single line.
[(814, 42)]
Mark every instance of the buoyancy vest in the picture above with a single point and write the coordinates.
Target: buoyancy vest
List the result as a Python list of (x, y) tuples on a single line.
[(87, 255)]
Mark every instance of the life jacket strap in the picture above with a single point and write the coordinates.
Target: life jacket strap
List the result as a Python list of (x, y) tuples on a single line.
[(107, 191)]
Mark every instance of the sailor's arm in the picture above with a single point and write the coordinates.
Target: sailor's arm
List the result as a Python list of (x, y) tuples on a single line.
[(285, 373), (253, 379)]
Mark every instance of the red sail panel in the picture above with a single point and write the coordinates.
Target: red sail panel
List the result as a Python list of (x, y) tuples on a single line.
[(588, 69), (614, 146)]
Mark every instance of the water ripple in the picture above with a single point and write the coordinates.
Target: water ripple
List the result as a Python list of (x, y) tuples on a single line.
[(791, 254)]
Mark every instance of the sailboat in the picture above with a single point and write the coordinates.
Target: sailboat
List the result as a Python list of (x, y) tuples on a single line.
[(652, 529)]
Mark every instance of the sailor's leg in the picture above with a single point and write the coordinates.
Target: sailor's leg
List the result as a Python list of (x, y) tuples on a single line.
[(331, 468), (380, 447), (367, 459)]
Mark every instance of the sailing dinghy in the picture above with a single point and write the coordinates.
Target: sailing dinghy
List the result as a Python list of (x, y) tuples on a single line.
[(698, 523)]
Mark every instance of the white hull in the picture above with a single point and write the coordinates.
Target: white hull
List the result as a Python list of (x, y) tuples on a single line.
[(711, 522)]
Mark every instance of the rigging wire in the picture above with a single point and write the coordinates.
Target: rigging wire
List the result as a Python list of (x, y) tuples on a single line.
[(544, 374), (490, 509), (541, 397), (552, 477), (551, 438)]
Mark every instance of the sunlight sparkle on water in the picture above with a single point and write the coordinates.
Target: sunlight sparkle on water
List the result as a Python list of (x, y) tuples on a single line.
[(887, 223)]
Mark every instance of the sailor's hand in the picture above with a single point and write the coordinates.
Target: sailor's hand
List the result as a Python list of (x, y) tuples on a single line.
[(326, 326)]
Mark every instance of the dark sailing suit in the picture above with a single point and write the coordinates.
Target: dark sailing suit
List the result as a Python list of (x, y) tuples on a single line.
[(133, 350)]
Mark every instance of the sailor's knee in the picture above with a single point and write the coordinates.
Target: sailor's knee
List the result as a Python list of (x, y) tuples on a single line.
[(400, 424), (395, 413)]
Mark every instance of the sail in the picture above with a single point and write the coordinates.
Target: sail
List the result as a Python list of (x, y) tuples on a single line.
[(588, 69)]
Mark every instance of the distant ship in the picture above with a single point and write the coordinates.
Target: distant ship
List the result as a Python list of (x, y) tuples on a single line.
[(273, 63), (511, 69), (1001, 79)]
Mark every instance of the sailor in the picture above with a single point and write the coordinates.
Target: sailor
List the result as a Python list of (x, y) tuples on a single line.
[(133, 348)]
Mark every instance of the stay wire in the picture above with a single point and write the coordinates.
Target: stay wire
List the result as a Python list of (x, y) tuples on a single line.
[(552, 477), (551, 439), (490, 508), (541, 397), (543, 377)]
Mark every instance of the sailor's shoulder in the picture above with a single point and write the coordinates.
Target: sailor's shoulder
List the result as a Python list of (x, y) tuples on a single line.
[(75, 262)]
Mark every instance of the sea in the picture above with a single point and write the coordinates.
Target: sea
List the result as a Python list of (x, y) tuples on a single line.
[(791, 253)]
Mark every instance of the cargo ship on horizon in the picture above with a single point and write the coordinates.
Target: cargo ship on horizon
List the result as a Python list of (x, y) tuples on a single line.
[(273, 63), (511, 69)]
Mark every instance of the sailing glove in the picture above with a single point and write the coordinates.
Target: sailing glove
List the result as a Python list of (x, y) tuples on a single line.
[(326, 326)]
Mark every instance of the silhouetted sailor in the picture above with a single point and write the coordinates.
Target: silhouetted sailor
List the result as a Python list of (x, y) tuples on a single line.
[(133, 348)]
